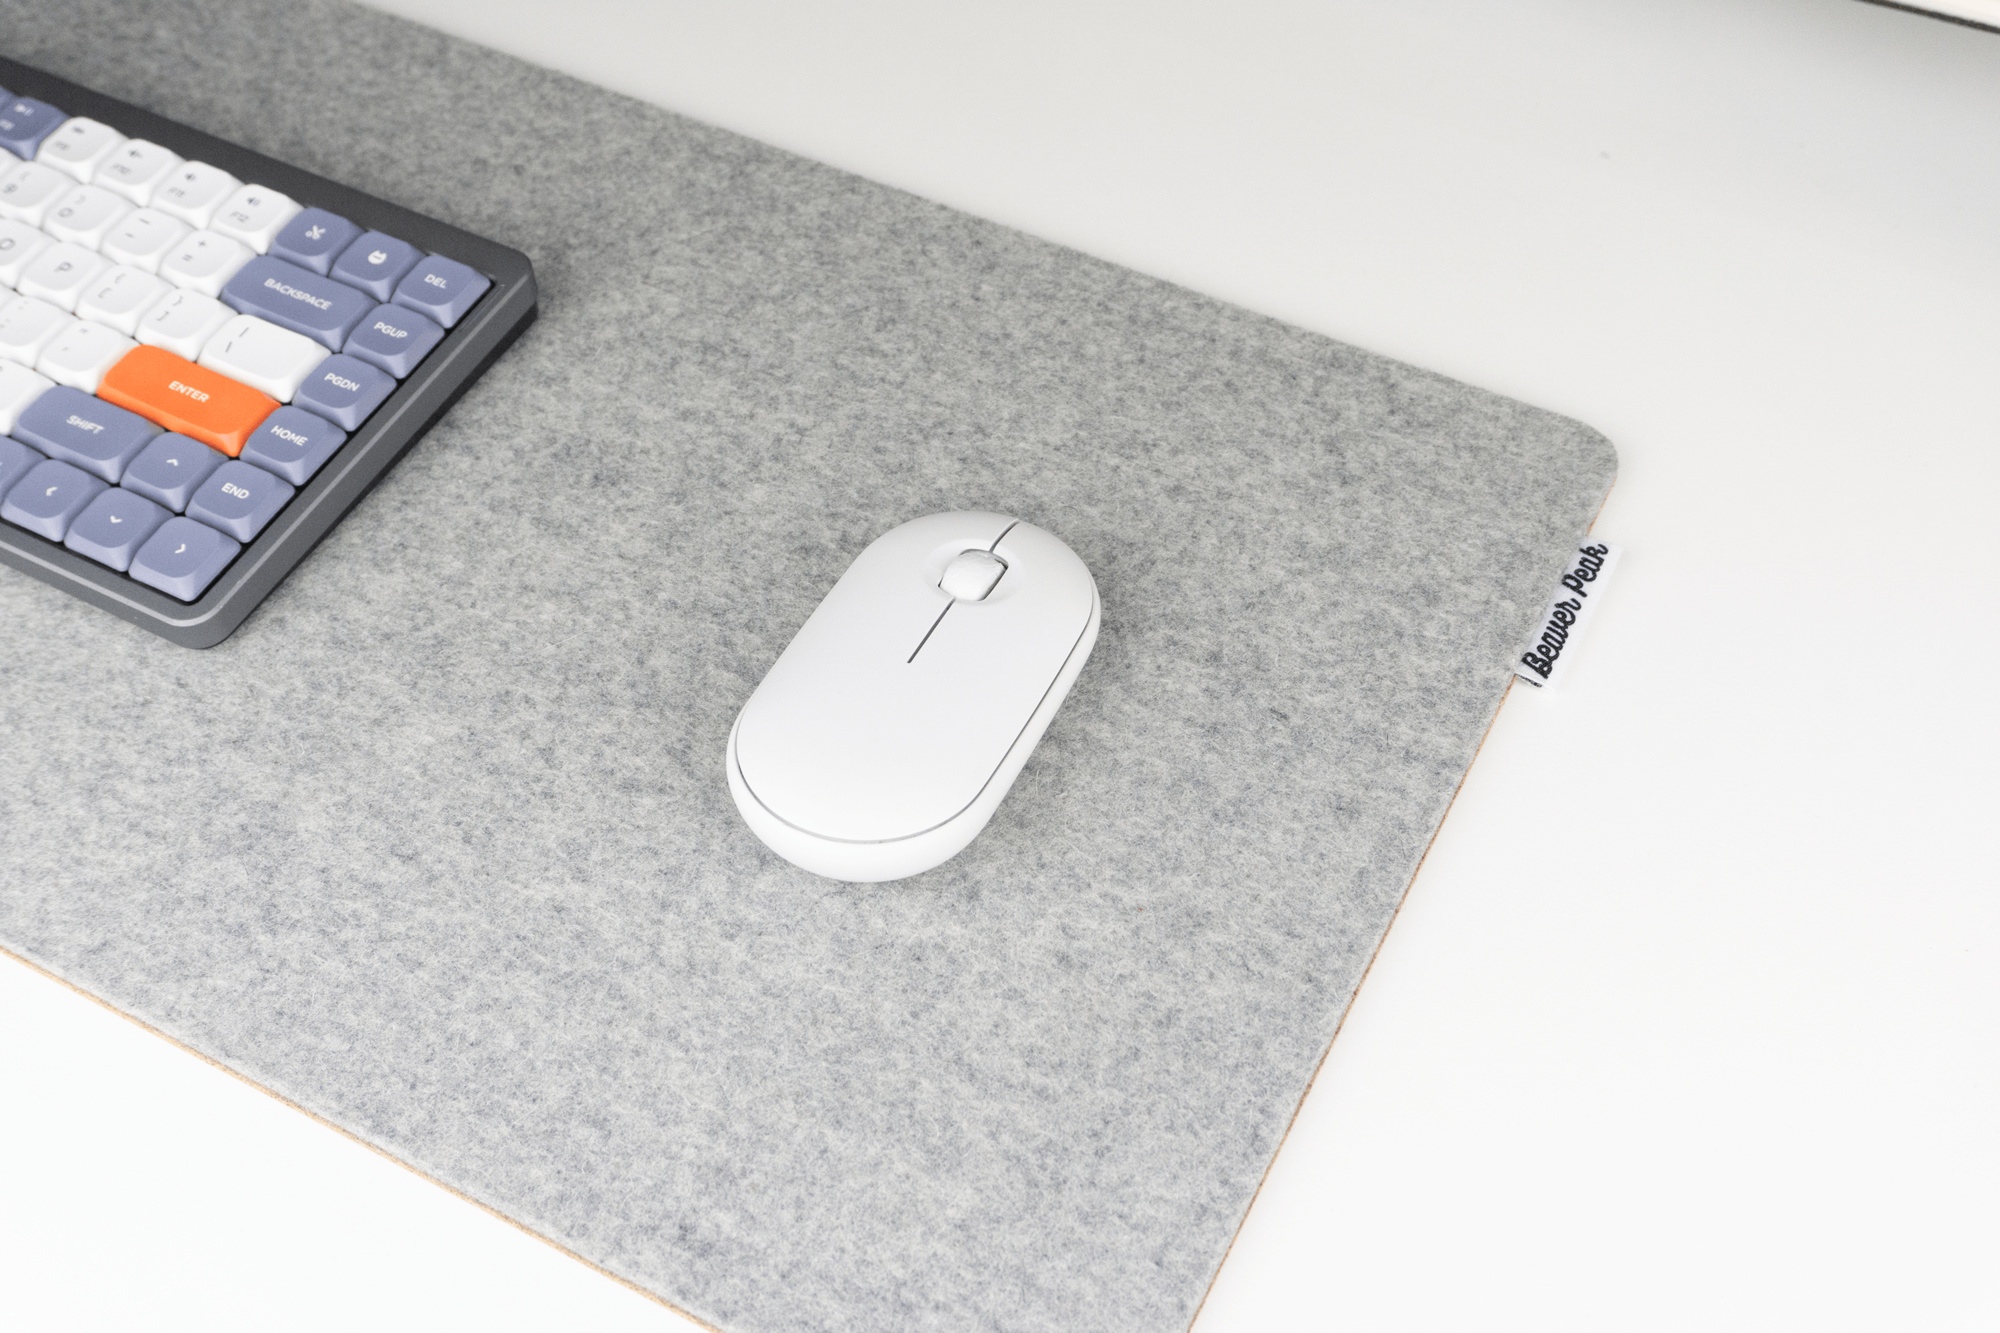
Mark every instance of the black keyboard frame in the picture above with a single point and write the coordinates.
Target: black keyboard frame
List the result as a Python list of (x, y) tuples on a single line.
[(507, 309)]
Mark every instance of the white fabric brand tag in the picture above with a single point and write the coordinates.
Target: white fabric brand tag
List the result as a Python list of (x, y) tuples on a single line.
[(1581, 589)]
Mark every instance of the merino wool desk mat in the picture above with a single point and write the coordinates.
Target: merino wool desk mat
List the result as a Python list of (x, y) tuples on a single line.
[(438, 845)]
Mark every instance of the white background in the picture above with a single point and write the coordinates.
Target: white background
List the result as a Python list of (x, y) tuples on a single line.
[(1693, 1016)]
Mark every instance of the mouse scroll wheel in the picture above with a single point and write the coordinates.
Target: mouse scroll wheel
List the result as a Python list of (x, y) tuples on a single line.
[(972, 574)]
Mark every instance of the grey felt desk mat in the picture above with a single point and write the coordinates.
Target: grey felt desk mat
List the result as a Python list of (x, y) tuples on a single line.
[(438, 845)]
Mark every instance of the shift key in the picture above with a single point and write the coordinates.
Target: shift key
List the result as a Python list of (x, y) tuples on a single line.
[(192, 400), (297, 299)]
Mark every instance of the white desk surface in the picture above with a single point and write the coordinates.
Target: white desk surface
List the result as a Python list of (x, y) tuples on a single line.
[(1692, 1018)]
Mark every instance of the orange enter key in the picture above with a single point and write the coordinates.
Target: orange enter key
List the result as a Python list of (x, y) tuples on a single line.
[(181, 396)]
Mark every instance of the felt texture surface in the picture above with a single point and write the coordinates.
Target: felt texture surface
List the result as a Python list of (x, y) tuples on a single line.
[(438, 845)]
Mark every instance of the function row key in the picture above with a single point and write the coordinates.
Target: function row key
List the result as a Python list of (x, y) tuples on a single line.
[(328, 245), (24, 123), (136, 169), (314, 239), (146, 222), (78, 146)]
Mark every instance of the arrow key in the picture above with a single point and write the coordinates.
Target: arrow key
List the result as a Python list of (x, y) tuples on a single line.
[(168, 470), (112, 527), (49, 498), (183, 558)]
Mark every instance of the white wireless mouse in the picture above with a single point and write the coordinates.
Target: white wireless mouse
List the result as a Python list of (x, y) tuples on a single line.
[(886, 734)]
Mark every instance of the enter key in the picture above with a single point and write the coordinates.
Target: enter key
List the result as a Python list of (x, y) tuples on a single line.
[(186, 398)]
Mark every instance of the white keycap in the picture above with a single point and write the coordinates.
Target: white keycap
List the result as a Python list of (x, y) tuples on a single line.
[(19, 244), (27, 326), (135, 169), (263, 356), (193, 191), (19, 387), (121, 297), (86, 215), (81, 353), (255, 215), (204, 262), (143, 238), (78, 145), (27, 191), (59, 274), (183, 323)]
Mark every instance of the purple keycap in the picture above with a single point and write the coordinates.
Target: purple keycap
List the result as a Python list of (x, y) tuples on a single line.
[(314, 239), (239, 499), (71, 425), (113, 527), (344, 391), (183, 558), (293, 298), (394, 339), (48, 499), (168, 470), (375, 263), (443, 289), (293, 444), (24, 123), (15, 460)]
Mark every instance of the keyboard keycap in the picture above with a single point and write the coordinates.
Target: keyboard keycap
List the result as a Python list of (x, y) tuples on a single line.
[(120, 298), (262, 355), (293, 444), (27, 326), (376, 263), (180, 396), (136, 169), (86, 215), (30, 190), (78, 145), (193, 191), (169, 469), (443, 289), (15, 460), (314, 238), (293, 298), (183, 558), (204, 262), (239, 499), (394, 339), (59, 274), (48, 499), (183, 323), (24, 123), (85, 432), (344, 391), (19, 244), (143, 238), (254, 215), (113, 527), (19, 388), (80, 355)]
